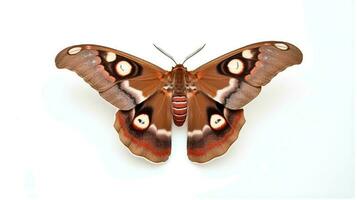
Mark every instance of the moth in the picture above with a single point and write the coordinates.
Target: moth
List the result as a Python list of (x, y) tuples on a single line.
[(209, 99)]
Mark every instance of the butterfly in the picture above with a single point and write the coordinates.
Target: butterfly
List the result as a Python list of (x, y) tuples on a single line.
[(151, 99)]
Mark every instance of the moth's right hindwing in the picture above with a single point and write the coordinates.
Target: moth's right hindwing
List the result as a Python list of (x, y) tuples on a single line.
[(146, 130)]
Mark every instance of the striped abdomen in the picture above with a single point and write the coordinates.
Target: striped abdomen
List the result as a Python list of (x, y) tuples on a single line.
[(179, 109)]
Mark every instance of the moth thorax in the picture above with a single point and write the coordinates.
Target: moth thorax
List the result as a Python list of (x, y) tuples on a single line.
[(179, 109)]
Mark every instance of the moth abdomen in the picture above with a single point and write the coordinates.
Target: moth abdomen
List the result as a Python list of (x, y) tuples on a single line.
[(179, 109)]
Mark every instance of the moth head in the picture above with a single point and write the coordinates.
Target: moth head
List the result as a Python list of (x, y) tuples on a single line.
[(179, 67)]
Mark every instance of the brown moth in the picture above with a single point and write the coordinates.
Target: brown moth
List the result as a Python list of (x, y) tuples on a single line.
[(209, 98)]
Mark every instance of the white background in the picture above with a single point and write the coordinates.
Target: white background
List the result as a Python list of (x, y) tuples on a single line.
[(57, 138)]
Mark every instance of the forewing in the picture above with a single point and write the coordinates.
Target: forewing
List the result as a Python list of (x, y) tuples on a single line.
[(234, 79), (120, 78)]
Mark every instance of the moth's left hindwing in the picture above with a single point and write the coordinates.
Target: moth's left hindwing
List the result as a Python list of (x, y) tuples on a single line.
[(212, 128), (134, 86)]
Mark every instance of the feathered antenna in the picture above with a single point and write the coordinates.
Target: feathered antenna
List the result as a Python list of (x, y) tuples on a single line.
[(166, 54), (193, 53)]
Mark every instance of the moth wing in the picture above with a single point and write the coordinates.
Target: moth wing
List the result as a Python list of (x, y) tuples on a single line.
[(235, 78), (211, 127), (146, 129), (120, 78)]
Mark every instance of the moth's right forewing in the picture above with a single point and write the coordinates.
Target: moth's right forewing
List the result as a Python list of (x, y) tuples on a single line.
[(122, 79)]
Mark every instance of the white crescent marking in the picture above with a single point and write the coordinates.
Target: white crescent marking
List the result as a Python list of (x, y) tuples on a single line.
[(123, 68), (235, 66)]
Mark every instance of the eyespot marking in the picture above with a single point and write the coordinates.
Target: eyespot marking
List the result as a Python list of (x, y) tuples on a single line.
[(110, 57), (217, 122), (235, 66), (248, 54), (281, 46), (123, 68), (141, 122), (74, 50)]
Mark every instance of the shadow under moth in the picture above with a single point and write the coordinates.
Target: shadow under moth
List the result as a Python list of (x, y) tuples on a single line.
[(209, 98)]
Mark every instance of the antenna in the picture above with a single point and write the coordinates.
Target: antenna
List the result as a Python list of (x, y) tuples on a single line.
[(193, 53), (166, 54)]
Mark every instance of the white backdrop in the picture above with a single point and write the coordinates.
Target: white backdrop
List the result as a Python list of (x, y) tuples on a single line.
[(57, 137)]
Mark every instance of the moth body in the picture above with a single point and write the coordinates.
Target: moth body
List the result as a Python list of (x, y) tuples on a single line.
[(179, 96)]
